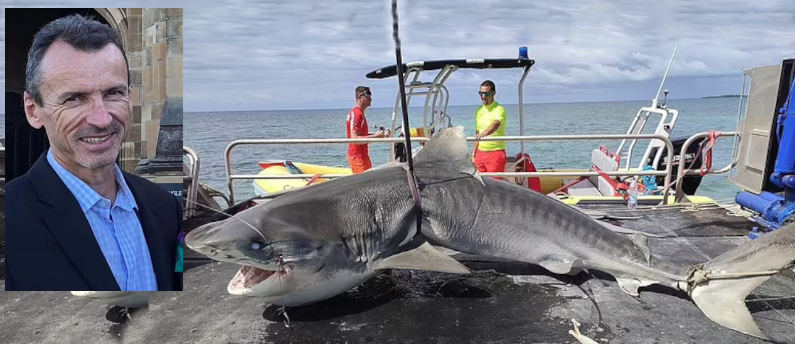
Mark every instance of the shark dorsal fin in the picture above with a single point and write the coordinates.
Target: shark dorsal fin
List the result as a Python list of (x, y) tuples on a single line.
[(449, 147)]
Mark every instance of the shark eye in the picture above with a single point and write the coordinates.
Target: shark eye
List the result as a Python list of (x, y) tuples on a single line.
[(255, 246)]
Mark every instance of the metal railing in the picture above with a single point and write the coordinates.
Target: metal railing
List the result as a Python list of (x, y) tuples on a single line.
[(193, 178), (668, 171), (681, 172), (230, 178), (638, 125)]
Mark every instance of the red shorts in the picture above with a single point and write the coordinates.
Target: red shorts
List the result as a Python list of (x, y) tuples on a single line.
[(493, 161), (359, 163)]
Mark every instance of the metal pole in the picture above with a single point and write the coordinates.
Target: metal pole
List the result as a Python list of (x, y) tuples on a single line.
[(521, 105)]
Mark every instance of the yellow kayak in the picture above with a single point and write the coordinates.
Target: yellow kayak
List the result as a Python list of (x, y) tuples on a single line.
[(267, 186)]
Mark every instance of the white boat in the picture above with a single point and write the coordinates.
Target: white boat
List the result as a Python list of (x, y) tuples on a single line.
[(606, 180)]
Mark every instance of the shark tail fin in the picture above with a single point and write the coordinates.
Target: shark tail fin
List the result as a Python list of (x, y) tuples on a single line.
[(722, 299)]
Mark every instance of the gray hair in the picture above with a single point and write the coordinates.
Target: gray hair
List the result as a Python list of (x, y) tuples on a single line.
[(83, 34)]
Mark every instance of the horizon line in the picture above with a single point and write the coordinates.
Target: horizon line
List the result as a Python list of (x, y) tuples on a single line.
[(421, 106)]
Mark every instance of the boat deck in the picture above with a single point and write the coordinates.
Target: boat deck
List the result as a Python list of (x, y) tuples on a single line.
[(502, 302)]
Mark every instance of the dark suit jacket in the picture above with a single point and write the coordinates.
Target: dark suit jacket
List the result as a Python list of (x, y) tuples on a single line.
[(51, 247)]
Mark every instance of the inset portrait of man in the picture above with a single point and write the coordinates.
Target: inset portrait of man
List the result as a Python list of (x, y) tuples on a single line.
[(75, 221)]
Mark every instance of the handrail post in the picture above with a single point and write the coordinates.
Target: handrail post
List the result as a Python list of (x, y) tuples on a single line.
[(521, 106), (681, 169), (228, 169), (194, 183)]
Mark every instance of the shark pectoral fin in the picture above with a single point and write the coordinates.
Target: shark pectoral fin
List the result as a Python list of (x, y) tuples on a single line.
[(423, 257), (561, 266), (723, 301), (631, 285), (642, 242)]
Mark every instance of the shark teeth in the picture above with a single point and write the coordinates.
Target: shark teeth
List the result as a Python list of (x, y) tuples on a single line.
[(96, 139), (249, 276)]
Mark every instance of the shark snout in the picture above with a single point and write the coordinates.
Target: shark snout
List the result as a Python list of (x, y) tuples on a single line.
[(194, 238), (230, 242), (205, 240), (203, 237)]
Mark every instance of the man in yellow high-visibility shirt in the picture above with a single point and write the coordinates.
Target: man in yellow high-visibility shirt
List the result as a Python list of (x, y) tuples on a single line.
[(490, 156)]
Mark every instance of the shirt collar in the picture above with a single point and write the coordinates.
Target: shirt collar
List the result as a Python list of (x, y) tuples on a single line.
[(491, 106), (88, 197)]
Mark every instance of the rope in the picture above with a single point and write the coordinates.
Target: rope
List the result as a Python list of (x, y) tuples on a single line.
[(727, 204), (697, 275), (402, 83), (414, 187), (412, 178), (706, 151)]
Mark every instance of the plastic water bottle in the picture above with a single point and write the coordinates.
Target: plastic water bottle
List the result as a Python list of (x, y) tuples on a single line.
[(632, 204)]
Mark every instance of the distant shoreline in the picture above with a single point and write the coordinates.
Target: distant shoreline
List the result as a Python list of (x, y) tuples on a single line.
[(723, 96)]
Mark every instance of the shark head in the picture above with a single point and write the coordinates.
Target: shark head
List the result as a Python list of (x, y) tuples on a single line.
[(280, 259), (312, 243)]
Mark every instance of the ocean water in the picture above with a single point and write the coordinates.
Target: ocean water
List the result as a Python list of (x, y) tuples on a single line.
[(209, 133)]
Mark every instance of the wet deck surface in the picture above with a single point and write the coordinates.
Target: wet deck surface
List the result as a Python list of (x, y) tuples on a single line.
[(683, 221), (502, 302)]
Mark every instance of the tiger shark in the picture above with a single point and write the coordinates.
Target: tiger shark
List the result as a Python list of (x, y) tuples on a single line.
[(313, 243)]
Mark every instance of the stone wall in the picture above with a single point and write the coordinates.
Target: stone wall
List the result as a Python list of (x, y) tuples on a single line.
[(134, 146), (154, 49), (161, 99)]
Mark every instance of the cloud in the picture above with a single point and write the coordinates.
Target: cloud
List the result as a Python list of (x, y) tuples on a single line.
[(312, 54)]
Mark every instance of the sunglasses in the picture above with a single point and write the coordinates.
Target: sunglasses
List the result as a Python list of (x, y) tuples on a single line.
[(485, 94)]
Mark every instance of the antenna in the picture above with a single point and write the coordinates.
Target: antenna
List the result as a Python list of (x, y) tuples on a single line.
[(665, 76)]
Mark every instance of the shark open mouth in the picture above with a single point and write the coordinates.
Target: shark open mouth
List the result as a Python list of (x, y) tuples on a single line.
[(248, 277)]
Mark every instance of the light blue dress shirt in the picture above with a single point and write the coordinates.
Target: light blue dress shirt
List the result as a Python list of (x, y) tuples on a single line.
[(117, 229)]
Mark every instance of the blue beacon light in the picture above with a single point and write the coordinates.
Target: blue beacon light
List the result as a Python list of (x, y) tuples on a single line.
[(523, 53)]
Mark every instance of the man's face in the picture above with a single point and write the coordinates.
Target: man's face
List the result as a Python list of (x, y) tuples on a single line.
[(486, 95), (85, 104), (367, 99)]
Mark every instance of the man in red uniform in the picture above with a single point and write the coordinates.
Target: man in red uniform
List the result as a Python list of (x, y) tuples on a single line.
[(356, 127)]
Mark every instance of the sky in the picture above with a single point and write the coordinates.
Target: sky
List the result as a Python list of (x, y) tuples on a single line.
[(303, 54)]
